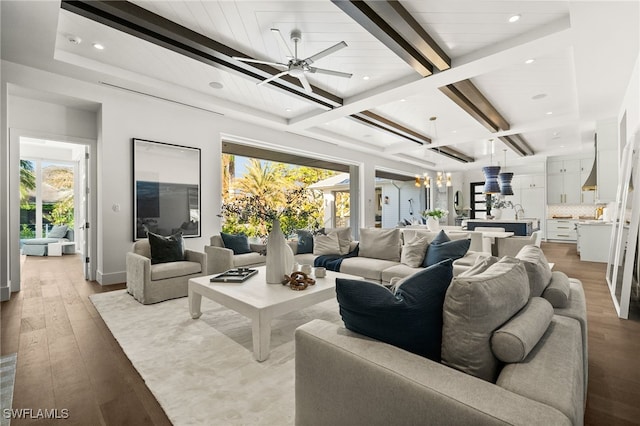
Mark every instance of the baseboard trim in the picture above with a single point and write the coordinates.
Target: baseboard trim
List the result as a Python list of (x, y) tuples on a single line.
[(111, 278), (5, 293)]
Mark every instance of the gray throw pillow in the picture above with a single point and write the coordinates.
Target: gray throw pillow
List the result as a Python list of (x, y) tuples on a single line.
[(239, 243), (474, 308), (326, 244), (513, 341), (381, 244), (58, 231), (344, 238), (166, 249), (538, 269), (481, 265), (413, 251), (558, 291)]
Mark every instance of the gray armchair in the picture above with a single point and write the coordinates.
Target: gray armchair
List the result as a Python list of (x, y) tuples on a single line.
[(220, 258), (149, 283)]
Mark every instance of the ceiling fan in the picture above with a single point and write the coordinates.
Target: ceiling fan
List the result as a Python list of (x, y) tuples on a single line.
[(297, 67)]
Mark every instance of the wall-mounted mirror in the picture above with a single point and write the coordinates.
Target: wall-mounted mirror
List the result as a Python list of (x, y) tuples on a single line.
[(457, 202)]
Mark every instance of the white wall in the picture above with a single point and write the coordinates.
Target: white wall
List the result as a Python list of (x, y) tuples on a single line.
[(124, 116)]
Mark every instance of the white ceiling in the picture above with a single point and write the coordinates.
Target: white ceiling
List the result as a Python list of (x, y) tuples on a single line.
[(584, 52)]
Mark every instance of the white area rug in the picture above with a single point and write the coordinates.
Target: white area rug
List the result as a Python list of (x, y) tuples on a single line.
[(7, 381), (202, 372)]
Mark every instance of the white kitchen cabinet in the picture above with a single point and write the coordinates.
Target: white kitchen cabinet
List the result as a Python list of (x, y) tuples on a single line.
[(564, 184), (608, 160), (592, 237), (562, 230)]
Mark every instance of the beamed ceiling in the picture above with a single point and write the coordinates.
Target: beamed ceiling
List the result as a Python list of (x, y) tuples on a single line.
[(460, 61)]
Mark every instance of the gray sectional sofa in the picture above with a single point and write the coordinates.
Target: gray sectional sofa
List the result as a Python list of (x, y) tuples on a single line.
[(40, 246), (382, 268), (514, 351)]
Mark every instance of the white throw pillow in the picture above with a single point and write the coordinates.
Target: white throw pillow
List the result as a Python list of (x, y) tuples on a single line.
[(379, 243), (326, 244), (413, 251)]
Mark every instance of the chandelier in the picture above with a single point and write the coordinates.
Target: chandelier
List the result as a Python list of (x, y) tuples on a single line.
[(442, 178)]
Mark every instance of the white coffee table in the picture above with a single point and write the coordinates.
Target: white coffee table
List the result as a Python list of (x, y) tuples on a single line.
[(261, 302)]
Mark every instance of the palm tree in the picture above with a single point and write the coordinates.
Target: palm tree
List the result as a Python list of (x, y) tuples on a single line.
[(27, 180)]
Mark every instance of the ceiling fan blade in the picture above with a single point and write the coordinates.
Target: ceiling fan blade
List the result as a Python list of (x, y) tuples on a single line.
[(276, 32), (325, 52), (273, 77), (330, 72), (305, 83), (258, 61)]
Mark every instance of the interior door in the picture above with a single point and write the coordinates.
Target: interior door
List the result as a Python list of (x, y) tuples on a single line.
[(83, 227)]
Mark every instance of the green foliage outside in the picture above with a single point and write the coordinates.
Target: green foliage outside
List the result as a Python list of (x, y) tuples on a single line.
[(268, 190), (62, 212)]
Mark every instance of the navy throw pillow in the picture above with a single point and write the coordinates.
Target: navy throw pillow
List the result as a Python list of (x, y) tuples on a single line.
[(305, 241), (442, 237), (410, 318), (448, 250), (238, 243), (166, 249)]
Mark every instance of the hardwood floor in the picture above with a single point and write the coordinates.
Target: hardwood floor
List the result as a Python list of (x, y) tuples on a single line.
[(67, 358)]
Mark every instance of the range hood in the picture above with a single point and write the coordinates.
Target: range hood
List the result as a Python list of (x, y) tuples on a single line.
[(592, 180)]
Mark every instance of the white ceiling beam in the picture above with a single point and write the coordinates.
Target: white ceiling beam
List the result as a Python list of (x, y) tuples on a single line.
[(549, 38)]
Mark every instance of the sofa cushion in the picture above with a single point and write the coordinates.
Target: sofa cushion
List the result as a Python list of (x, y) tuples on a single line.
[(480, 264), (538, 269), (381, 244), (410, 318), (558, 290), (344, 237), (39, 241), (239, 243), (58, 231), (475, 306), (514, 340), (414, 251), (442, 247), (370, 269), (161, 271), (326, 244), (398, 271), (305, 241), (166, 249), (552, 373), (249, 259)]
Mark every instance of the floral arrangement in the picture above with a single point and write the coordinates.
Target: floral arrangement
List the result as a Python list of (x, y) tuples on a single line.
[(437, 213), (499, 203)]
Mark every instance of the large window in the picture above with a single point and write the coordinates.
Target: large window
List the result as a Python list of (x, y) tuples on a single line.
[(46, 196)]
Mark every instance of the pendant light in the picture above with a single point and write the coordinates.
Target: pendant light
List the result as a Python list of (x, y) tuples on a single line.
[(442, 178), (491, 172), (505, 179)]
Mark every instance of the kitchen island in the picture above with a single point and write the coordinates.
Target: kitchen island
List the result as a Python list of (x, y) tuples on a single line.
[(521, 227)]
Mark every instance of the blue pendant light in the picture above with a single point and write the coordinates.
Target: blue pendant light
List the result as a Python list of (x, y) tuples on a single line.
[(491, 185), (505, 179)]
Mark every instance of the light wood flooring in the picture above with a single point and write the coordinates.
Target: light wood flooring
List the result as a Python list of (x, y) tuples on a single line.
[(67, 358)]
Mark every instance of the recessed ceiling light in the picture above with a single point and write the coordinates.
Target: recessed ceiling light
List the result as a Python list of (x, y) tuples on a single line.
[(74, 39), (561, 146), (403, 100), (514, 18), (549, 112), (539, 96), (529, 61), (366, 77), (98, 46), (216, 85), (454, 131), (287, 109)]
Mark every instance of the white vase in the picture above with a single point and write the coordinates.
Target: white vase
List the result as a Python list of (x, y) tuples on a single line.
[(497, 213), (433, 224), (279, 255)]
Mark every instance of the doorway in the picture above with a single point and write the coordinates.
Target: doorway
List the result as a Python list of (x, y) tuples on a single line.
[(50, 186)]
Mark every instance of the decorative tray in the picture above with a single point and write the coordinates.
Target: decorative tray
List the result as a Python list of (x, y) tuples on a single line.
[(234, 275)]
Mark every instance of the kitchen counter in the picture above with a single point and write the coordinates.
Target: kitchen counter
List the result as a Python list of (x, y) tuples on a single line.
[(521, 227), (593, 236)]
